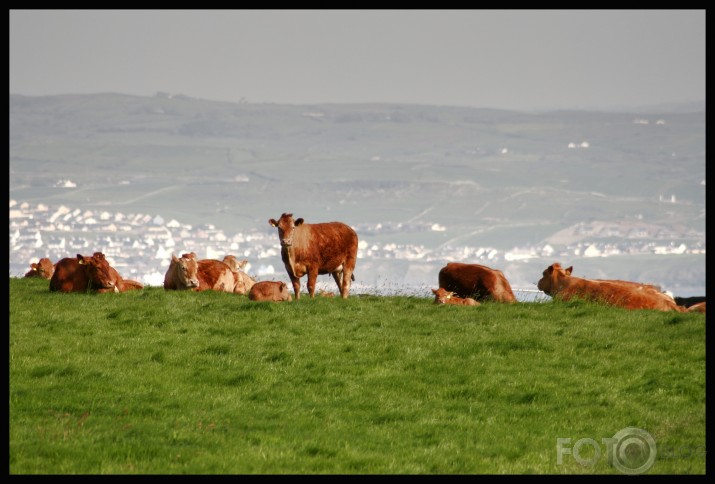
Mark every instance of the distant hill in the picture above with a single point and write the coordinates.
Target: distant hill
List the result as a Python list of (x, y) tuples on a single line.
[(489, 177)]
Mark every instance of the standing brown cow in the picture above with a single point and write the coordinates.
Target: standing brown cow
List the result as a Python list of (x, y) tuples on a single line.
[(84, 273), (44, 268), (476, 281), (322, 248)]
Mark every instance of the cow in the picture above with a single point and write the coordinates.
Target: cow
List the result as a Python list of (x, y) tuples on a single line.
[(696, 308), (83, 274), (479, 282), (244, 282), (44, 268), (313, 249), (269, 291), (182, 273), (187, 272), (558, 283), (442, 296)]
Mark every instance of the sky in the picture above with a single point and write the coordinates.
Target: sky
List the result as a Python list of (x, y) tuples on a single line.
[(504, 59)]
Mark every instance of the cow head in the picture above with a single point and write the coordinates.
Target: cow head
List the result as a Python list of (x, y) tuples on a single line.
[(235, 265), (286, 224), (441, 295), (44, 268), (99, 273), (552, 276), (187, 268)]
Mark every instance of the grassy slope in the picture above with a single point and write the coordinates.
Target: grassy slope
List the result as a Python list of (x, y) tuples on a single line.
[(154, 382)]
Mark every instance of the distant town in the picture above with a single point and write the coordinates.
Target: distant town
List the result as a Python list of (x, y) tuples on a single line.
[(140, 246)]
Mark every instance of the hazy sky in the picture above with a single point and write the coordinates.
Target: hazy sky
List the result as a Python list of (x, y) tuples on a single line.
[(511, 59)]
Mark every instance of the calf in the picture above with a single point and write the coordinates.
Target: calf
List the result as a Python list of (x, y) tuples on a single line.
[(269, 291), (442, 296), (44, 268)]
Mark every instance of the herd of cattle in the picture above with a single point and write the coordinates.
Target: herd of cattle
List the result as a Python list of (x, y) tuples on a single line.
[(331, 248)]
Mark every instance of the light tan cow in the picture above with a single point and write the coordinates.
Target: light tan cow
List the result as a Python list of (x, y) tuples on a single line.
[(244, 282), (443, 296)]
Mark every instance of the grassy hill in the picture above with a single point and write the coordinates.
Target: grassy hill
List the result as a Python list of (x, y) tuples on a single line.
[(157, 382)]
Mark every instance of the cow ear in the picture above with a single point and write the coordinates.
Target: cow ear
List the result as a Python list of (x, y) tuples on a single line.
[(193, 255), (299, 222), (434, 291), (272, 222), (550, 269), (242, 264), (80, 259), (569, 270)]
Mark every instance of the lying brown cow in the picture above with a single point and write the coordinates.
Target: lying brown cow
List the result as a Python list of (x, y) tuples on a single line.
[(187, 272), (442, 296), (558, 283), (44, 268), (84, 273), (696, 308), (244, 282), (476, 281), (269, 291), (313, 249)]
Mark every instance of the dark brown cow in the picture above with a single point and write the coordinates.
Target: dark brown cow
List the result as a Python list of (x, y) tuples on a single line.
[(269, 291), (84, 273), (244, 282), (44, 268), (558, 283), (443, 296), (313, 249), (476, 281), (186, 272)]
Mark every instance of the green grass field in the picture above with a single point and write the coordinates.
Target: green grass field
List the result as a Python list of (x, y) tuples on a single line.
[(155, 382)]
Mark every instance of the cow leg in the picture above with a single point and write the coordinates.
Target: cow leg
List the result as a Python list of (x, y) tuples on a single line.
[(312, 278), (338, 276), (345, 287), (296, 286)]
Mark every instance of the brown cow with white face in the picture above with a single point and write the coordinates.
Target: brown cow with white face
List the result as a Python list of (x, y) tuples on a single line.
[(558, 283), (313, 249), (84, 273), (476, 281), (44, 268)]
